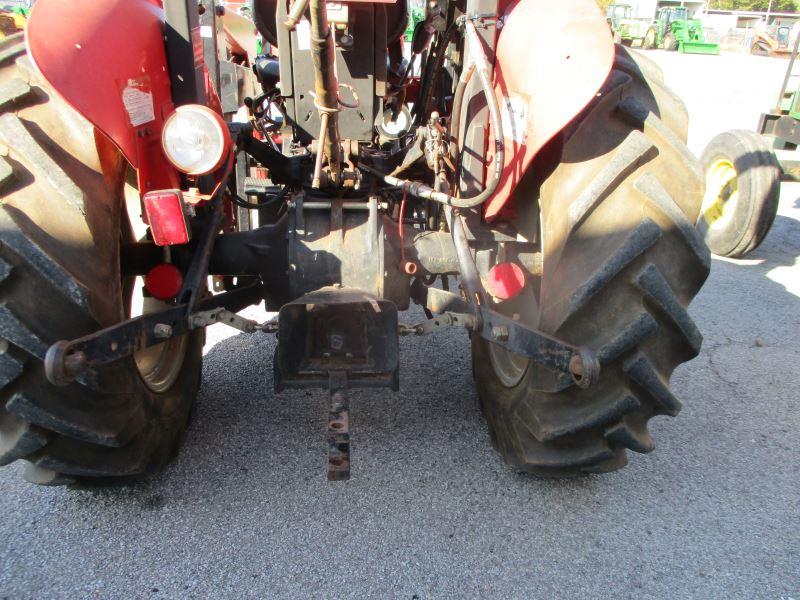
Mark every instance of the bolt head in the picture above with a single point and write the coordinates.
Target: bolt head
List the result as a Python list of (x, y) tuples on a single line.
[(162, 331)]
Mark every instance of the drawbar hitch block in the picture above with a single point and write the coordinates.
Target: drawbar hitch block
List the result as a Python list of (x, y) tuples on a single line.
[(337, 338)]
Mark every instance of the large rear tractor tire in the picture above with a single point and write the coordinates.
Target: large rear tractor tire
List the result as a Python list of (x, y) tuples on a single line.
[(743, 182), (62, 219), (621, 262), (650, 40)]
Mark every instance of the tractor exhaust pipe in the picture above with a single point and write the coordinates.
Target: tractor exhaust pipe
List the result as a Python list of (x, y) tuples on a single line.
[(327, 93)]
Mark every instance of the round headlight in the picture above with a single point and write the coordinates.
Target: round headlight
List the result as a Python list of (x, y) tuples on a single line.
[(195, 139)]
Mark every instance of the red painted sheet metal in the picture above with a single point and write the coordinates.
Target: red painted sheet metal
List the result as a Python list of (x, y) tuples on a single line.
[(551, 59), (107, 59)]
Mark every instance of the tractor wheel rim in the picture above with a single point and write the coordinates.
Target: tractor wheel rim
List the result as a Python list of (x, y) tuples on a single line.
[(510, 368), (160, 365), (722, 194)]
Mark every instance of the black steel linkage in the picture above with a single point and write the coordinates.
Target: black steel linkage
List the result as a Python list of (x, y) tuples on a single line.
[(65, 360), (579, 363), (575, 365), (280, 166), (197, 272)]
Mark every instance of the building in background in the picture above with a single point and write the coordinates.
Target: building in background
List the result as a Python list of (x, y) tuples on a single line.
[(646, 9), (742, 19), (732, 29)]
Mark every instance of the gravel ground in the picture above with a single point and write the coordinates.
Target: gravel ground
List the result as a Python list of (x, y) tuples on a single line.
[(431, 511)]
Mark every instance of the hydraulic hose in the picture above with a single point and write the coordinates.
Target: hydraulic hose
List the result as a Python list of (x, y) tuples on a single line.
[(455, 117), (481, 66), (431, 76)]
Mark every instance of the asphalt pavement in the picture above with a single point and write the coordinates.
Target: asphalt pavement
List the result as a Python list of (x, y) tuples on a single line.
[(431, 511)]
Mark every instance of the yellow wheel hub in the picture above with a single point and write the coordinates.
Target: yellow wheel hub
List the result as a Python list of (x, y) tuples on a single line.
[(722, 193)]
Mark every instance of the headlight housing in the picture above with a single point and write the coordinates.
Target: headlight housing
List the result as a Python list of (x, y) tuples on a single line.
[(195, 139)]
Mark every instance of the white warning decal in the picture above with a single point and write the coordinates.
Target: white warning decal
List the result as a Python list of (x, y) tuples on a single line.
[(139, 105), (515, 118)]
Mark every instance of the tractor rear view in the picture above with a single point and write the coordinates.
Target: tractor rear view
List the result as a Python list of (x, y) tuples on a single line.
[(534, 192)]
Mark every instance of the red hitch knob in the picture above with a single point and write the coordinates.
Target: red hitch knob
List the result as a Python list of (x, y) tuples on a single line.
[(506, 280), (164, 281)]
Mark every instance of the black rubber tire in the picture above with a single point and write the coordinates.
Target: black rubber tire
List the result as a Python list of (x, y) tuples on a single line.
[(60, 228), (621, 262), (650, 41), (758, 185), (669, 42), (759, 49)]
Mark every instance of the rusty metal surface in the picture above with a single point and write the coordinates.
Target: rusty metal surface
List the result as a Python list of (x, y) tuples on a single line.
[(337, 338), (337, 329), (338, 431), (66, 359), (354, 244)]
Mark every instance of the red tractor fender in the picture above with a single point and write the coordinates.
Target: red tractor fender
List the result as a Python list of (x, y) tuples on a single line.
[(106, 58), (551, 59)]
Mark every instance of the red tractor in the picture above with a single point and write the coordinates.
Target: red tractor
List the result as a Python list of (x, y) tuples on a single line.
[(338, 177)]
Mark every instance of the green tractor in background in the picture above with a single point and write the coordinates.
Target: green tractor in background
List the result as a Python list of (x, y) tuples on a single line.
[(672, 29), (626, 29), (415, 16)]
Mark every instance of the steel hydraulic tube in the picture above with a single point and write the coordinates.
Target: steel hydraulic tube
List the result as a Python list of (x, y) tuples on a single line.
[(295, 14), (327, 91)]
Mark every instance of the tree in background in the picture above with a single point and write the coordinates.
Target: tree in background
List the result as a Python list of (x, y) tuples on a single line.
[(788, 6), (756, 5)]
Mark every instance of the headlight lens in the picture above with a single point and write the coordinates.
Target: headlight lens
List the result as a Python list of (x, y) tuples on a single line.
[(195, 139)]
